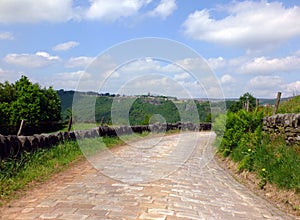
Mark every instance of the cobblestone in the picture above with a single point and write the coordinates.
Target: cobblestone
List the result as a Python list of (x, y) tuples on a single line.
[(166, 181)]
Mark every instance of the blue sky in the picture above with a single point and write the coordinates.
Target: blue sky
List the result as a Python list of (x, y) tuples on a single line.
[(251, 46)]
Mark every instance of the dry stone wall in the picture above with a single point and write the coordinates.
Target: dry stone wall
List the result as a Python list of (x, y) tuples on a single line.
[(14, 146), (287, 125)]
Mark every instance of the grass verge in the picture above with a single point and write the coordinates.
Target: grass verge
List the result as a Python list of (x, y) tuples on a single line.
[(38, 166), (266, 155)]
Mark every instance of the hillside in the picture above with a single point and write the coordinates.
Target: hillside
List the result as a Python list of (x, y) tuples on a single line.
[(290, 105), (141, 110)]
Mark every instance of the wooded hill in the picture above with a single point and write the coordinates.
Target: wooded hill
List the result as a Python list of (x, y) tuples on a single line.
[(142, 108)]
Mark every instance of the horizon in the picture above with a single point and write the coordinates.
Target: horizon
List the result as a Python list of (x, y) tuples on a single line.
[(204, 98)]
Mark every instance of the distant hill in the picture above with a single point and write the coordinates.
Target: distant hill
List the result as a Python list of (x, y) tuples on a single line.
[(262, 101), (141, 110)]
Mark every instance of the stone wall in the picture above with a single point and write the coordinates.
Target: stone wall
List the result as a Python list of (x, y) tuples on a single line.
[(287, 125), (14, 146)]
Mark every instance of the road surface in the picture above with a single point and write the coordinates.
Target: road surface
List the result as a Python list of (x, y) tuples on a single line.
[(173, 177)]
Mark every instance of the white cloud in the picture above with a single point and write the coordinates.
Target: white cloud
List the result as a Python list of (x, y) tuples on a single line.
[(148, 75), (216, 63), (263, 65), (249, 24), (297, 53), (37, 60), (2, 72), (31, 11), (142, 66), (6, 36), (34, 11), (65, 46), (265, 86), (268, 86), (182, 76), (155, 84), (73, 75), (114, 9), (164, 9), (7, 75), (227, 79), (70, 80), (293, 88), (81, 61)]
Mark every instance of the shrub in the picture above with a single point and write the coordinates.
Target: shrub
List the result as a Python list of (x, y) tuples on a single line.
[(25, 100), (238, 125), (256, 151)]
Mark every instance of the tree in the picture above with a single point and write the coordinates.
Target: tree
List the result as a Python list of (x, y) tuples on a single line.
[(247, 97), (25, 100)]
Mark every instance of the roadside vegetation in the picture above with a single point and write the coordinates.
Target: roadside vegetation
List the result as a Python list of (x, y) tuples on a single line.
[(23, 100), (266, 155), (290, 106)]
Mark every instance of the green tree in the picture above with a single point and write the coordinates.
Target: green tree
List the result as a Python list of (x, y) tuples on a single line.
[(25, 100), (242, 101)]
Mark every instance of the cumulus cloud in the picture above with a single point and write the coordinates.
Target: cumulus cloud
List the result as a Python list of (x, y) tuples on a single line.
[(265, 86), (227, 79), (34, 11), (216, 63), (155, 84), (70, 80), (8, 75), (114, 9), (74, 75), (182, 76), (151, 75), (81, 61), (31, 11), (249, 24), (6, 36), (65, 46), (37, 60), (293, 88), (297, 53), (2, 72), (164, 9), (263, 65), (268, 86)]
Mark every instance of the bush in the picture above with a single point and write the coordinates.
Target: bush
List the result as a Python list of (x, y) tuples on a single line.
[(255, 151), (238, 125), (25, 100)]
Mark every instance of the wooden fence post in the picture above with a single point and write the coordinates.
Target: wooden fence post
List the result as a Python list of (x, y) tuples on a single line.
[(21, 127), (247, 105), (70, 123), (277, 103)]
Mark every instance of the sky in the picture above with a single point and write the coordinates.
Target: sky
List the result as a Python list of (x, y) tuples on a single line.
[(249, 46)]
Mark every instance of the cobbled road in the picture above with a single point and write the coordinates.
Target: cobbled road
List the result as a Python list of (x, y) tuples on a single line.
[(170, 177)]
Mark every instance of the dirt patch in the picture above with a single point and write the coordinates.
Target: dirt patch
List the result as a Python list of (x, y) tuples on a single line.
[(285, 200)]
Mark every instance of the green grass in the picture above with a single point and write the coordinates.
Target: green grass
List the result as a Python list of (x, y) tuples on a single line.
[(277, 163), (271, 160), (266, 155), (38, 166), (290, 106)]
